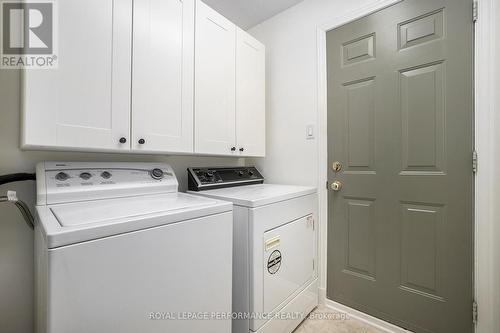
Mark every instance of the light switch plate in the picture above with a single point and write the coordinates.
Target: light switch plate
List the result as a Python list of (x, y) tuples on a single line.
[(309, 132)]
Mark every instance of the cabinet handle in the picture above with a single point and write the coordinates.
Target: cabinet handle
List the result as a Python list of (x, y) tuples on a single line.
[(142, 141), (233, 148), (242, 149), (123, 140)]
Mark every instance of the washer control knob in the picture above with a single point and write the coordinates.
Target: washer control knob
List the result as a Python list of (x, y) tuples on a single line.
[(85, 175), (106, 174), (157, 173), (62, 176)]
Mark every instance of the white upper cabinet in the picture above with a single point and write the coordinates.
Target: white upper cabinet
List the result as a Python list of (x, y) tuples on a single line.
[(85, 103), (147, 76), (229, 88), (250, 95), (215, 64), (162, 76)]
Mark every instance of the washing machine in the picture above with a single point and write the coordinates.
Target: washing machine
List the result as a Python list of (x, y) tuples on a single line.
[(119, 249), (275, 280)]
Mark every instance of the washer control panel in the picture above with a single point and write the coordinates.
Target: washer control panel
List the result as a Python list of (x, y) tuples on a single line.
[(210, 178), (81, 180), (105, 176)]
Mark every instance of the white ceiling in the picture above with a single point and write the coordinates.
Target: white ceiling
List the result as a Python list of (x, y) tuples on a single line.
[(249, 13)]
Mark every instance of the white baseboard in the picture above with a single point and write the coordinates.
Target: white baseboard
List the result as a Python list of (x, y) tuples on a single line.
[(358, 315)]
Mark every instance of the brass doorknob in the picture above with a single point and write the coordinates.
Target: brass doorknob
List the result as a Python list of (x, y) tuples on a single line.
[(336, 186), (337, 166)]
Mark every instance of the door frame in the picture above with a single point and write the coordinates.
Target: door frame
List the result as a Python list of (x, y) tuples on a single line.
[(483, 137)]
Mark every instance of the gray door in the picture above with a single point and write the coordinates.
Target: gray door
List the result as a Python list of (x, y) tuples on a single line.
[(400, 121)]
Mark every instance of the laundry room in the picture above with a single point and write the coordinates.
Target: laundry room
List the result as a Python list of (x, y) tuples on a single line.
[(249, 166)]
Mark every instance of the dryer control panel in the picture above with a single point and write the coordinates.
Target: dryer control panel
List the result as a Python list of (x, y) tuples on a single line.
[(211, 178)]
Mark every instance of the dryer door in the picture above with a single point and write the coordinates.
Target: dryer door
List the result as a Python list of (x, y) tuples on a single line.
[(289, 254)]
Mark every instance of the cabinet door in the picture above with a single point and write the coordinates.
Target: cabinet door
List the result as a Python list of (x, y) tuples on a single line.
[(85, 103), (250, 95), (214, 82), (162, 75)]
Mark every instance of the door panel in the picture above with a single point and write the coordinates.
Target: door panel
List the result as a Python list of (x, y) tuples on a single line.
[(400, 120), (85, 102), (359, 49), (163, 74), (421, 29), (421, 249), (422, 110), (360, 240), (359, 110), (215, 82)]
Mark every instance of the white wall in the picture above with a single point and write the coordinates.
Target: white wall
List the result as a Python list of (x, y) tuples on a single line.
[(16, 239)]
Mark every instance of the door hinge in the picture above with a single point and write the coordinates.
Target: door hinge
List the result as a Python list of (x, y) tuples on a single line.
[(327, 186), (475, 9), (474, 312), (474, 161)]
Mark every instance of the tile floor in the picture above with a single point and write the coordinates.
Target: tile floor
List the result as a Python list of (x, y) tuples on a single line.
[(325, 320)]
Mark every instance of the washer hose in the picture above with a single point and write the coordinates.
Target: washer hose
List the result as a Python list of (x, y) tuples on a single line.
[(16, 177), (21, 205), (12, 196)]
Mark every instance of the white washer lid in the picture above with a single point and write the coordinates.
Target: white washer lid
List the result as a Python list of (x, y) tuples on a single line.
[(70, 223), (257, 195), (92, 212)]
